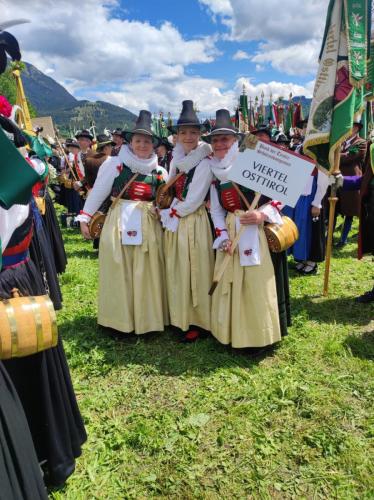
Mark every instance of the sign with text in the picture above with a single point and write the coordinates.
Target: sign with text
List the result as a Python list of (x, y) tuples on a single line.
[(272, 171)]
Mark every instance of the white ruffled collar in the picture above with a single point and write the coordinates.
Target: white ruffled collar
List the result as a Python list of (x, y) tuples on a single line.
[(221, 168), (135, 164), (184, 163)]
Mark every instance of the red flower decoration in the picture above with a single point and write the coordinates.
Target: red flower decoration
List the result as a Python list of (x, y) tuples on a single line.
[(5, 107)]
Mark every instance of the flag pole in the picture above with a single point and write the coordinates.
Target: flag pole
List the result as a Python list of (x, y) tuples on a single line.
[(332, 202)]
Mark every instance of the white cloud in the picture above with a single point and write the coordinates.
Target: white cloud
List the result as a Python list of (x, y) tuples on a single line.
[(285, 23), (299, 59), (132, 63), (240, 55), (91, 47), (280, 28), (209, 94), (276, 89)]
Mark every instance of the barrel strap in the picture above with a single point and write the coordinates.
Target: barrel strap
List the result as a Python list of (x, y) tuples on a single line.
[(13, 325), (52, 314), (38, 323)]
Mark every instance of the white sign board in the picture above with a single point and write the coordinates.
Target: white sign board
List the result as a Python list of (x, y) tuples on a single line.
[(270, 170)]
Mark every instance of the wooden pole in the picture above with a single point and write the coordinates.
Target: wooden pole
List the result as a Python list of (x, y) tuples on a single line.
[(332, 201)]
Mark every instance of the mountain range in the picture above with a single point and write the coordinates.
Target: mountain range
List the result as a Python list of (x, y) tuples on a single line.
[(51, 99)]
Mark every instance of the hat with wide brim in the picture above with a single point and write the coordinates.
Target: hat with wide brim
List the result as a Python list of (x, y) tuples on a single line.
[(187, 118), (71, 143), (222, 126), (118, 131), (281, 138), (84, 134), (165, 142), (143, 127), (261, 130), (103, 140)]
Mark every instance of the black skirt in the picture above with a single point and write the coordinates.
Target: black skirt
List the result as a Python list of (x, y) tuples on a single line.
[(55, 236), (42, 256), (44, 387), (280, 264), (318, 239), (20, 474)]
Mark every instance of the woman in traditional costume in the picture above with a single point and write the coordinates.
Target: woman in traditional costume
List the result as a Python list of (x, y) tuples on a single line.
[(42, 380), (280, 262), (132, 296), (188, 237), (20, 474), (244, 304)]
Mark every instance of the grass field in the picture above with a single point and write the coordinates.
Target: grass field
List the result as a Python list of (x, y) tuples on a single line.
[(170, 420)]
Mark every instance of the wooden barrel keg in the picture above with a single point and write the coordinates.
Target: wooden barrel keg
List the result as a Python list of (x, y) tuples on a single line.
[(281, 237), (96, 224), (27, 325)]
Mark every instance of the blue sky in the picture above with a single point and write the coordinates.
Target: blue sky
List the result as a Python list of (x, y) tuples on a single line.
[(153, 54)]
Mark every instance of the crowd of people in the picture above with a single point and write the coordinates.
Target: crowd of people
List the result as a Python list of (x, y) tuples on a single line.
[(172, 224)]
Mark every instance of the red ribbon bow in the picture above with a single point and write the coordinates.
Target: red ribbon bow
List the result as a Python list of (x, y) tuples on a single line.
[(132, 233), (248, 252), (276, 204), (174, 213), (220, 231)]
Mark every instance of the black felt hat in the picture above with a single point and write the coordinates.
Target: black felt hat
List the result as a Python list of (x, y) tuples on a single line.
[(222, 126), (118, 131), (143, 126), (164, 141), (71, 143), (187, 118), (84, 133), (103, 140), (262, 130), (358, 124), (281, 138)]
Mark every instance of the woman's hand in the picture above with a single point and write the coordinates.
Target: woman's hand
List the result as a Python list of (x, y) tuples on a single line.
[(225, 246), (315, 211), (252, 218), (85, 231), (77, 185)]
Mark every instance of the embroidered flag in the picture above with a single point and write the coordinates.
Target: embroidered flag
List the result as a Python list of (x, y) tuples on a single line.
[(338, 96)]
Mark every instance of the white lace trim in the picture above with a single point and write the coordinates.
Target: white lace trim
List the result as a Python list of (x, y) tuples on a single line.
[(221, 168), (135, 164), (184, 163)]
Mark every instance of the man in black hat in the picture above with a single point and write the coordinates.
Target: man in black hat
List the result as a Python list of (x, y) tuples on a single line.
[(84, 139), (262, 133), (118, 139)]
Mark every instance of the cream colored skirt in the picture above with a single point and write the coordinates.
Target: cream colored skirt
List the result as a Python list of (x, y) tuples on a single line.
[(189, 263), (132, 292), (244, 304)]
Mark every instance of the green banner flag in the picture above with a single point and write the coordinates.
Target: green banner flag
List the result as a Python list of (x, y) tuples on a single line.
[(17, 177), (336, 102), (356, 19)]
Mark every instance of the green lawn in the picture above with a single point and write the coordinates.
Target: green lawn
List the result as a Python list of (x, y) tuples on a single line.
[(170, 420)]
